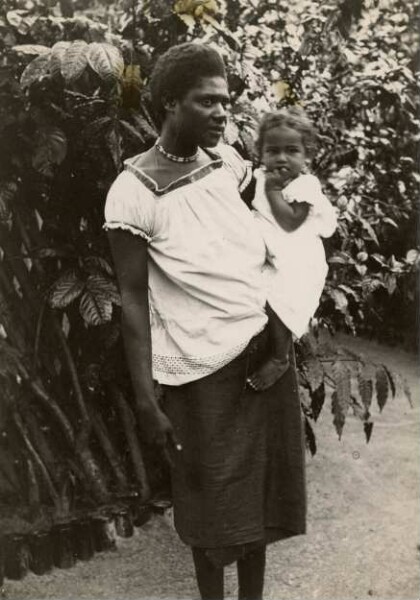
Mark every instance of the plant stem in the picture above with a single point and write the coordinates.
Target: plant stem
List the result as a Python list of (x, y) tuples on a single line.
[(104, 439), (37, 459), (128, 422)]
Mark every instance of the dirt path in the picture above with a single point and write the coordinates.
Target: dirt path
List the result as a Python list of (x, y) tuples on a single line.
[(363, 524)]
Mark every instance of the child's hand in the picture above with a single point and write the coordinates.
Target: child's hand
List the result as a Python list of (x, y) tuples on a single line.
[(275, 180)]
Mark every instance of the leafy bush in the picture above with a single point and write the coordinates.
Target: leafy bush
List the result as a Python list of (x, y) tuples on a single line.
[(75, 102)]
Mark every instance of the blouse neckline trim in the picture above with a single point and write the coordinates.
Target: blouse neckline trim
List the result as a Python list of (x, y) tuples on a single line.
[(191, 177)]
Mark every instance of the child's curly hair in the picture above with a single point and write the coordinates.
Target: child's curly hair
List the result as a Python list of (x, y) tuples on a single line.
[(178, 70), (293, 117)]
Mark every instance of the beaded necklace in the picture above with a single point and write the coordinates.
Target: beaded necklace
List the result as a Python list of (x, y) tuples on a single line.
[(173, 157)]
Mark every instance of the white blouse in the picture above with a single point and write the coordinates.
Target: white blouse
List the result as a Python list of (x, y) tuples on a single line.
[(206, 257)]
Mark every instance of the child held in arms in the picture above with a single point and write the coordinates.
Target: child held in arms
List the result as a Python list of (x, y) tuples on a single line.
[(293, 215)]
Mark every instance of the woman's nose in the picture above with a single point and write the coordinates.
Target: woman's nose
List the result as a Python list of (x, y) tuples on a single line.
[(219, 110)]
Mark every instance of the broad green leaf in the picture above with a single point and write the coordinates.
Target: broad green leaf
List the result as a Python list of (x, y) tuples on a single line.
[(368, 227), (97, 264), (74, 60), (98, 284), (95, 310), (51, 149), (106, 60), (340, 299), (66, 290), (31, 49), (35, 70), (56, 58)]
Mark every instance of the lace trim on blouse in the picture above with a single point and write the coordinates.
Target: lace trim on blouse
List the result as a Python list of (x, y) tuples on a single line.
[(124, 226), (200, 366)]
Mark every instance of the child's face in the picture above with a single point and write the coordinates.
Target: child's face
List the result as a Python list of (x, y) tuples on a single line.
[(283, 152)]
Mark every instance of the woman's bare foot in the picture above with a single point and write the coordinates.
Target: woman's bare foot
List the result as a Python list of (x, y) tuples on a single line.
[(268, 374)]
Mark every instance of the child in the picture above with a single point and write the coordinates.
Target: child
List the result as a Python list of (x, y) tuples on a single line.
[(293, 215)]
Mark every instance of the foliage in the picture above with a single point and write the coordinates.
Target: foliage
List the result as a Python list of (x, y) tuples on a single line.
[(347, 379), (74, 102)]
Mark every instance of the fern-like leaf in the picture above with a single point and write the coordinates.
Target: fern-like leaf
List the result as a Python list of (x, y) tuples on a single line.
[(407, 393), (314, 372), (382, 387), (391, 380), (317, 400), (341, 397), (310, 437), (368, 428), (339, 412), (365, 387)]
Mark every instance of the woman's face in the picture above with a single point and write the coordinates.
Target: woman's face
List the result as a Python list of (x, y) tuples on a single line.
[(283, 152), (200, 116)]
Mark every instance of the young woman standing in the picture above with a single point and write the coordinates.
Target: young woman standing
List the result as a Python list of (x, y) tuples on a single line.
[(189, 261)]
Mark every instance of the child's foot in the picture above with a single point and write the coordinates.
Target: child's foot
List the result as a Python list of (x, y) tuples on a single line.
[(268, 374)]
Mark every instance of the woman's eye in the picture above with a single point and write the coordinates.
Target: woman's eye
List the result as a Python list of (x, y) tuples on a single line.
[(206, 102)]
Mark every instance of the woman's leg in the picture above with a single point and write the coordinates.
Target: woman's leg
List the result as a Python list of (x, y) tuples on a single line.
[(209, 578), (251, 570)]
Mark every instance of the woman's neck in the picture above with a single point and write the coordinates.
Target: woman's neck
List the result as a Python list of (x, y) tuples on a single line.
[(175, 144)]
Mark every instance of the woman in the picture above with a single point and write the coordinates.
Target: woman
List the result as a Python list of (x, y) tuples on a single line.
[(188, 258)]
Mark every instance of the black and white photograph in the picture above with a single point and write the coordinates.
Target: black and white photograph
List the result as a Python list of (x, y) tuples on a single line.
[(209, 300)]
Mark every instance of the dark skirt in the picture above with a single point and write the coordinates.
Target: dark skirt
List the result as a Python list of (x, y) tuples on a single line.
[(239, 481)]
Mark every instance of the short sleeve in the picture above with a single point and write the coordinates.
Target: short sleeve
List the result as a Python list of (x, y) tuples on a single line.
[(305, 188), (130, 206), (242, 169)]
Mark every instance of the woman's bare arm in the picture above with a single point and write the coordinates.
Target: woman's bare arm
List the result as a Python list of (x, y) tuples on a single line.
[(130, 259)]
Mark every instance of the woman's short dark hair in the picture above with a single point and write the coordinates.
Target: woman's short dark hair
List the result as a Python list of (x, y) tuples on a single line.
[(178, 70), (293, 117)]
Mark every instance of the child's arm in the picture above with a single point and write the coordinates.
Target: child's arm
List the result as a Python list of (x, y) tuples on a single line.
[(289, 215)]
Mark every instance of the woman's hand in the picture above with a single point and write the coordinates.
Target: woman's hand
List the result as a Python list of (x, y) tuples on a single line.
[(158, 430)]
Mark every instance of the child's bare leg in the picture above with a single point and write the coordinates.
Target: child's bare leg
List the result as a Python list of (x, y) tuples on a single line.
[(277, 363)]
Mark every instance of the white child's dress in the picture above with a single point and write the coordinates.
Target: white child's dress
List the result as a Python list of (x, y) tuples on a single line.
[(298, 268)]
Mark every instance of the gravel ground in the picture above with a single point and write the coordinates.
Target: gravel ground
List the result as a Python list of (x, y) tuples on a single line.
[(363, 537)]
